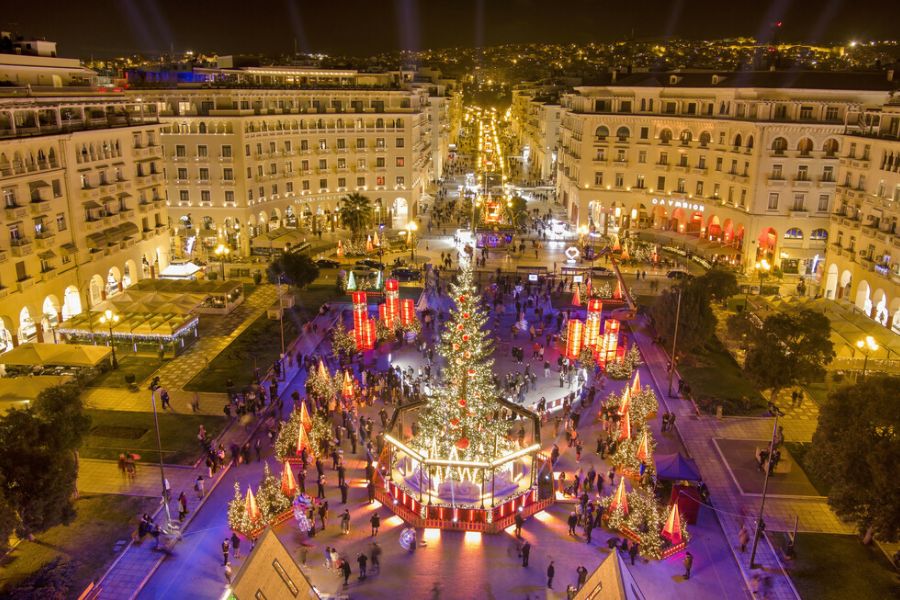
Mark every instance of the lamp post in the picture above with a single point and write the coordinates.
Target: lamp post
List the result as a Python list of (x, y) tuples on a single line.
[(281, 312), (867, 345), (110, 319), (675, 339), (762, 270), (411, 229), (162, 470), (222, 251), (760, 524)]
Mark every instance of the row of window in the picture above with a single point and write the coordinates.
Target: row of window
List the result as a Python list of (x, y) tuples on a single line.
[(742, 110), (203, 173), (287, 146), (799, 202), (184, 196)]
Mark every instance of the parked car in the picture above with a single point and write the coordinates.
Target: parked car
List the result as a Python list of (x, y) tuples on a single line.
[(678, 274), (370, 263), (406, 274), (602, 272), (327, 263)]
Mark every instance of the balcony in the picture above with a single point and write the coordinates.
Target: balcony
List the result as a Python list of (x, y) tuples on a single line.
[(45, 240), (15, 212), (40, 207), (21, 247)]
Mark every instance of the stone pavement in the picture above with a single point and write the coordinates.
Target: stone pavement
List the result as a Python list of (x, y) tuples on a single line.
[(733, 507), (216, 333), (103, 477), (138, 561)]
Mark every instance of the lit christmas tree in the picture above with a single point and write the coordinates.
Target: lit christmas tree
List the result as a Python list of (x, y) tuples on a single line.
[(459, 421)]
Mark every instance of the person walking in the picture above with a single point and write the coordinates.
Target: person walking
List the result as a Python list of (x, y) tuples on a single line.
[(182, 506), (321, 482), (526, 552), (688, 563), (550, 573), (582, 575), (199, 486), (376, 523), (632, 552), (573, 521), (345, 489), (345, 571), (345, 522), (743, 538), (375, 556), (519, 522), (362, 560), (225, 549), (235, 545)]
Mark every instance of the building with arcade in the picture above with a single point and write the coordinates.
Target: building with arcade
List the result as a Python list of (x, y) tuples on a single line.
[(730, 167)]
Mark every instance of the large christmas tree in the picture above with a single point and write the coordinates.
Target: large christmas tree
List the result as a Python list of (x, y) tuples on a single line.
[(460, 421)]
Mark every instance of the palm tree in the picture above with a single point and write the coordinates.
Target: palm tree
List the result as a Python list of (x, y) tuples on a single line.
[(356, 214)]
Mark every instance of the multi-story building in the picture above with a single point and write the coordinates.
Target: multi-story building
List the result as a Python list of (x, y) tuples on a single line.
[(863, 261), (536, 121), (84, 214), (732, 166), (240, 162)]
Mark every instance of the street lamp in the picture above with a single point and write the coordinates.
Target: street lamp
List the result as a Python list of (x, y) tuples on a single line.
[(222, 251), (867, 345), (110, 319), (411, 229), (762, 269)]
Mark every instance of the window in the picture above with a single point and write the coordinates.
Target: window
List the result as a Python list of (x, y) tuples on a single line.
[(228, 174), (625, 106), (661, 183), (180, 151), (202, 151), (204, 174), (323, 144), (323, 183), (799, 202), (715, 193), (663, 158), (61, 222), (341, 143), (823, 203), (399, 161), (184, 196), (642, 156), (806, 113), (699, 189), (360, 143), (182, 173), (361, 164), (793, 233), (229, 197), (305, 184), (360, 181), (620, 180), (379, 180), (342, 163), (803, 173), (819, 235), (289, 187), (246, 149), (645, 132), (598, 178), (701, 162), (620, 155), (773, 201), (379, 162), (399, 143), (204, 196), (828, 173), (379, 143), (718, 163), (601, 154), (831, 113), (681, 184), (342, 182), (57, 188), (639, 182), (743, 198)]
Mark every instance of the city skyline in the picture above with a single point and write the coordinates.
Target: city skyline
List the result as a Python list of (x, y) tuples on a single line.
[(280, 27)]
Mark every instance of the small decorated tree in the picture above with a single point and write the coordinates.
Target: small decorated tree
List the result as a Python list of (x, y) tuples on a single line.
[(238, 519), (269, 497), (342, 342), (644, 520)]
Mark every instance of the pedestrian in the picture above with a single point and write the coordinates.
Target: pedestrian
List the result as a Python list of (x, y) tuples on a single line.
[(519, 522), (632, 552), (195, 402), (199, 486), (345, 571), (376, 523), (688, 563), (370, 488), (228, 573), (225, 548), (321, 482), (235, 545), (582, 575), (182, 506), (573, 521), (164, 397), (345, 489), (550, 573), (323, 514), (328, 564), (743, 538), (345, 522), (362, 559), (526, 552), (376, 557)]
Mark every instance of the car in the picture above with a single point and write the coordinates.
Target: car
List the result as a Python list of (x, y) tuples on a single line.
[(406, 274), (370, 263), (602, 272), (327, 263), (678, 274)]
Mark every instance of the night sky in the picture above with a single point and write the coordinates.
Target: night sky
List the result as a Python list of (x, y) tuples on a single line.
[(118, 27)]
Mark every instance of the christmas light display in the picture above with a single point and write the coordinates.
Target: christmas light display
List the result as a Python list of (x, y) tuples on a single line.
[(407, 312), (351, 282), (291, 441), (576, 297), (250, 514), (606, 352), (574, 338), (672, 530), (288, 483), (620, 499), (592, 323)]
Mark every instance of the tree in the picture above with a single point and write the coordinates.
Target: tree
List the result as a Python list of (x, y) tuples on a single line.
[(296, 269), (856, 448), (516, 211), (9, 520), (696, 321), (459, 421), (718, 284), (356, 214), (789, 349), (62, 410)]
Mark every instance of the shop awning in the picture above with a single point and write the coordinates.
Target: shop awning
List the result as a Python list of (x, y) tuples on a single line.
[(47, 254), (96, 240), (63, 355), (90, 204)]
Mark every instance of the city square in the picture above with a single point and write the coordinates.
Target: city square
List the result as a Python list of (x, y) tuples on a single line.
[(549, 313)]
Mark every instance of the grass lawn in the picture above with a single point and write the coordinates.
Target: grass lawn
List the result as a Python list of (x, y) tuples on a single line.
[(74, 555), (800, 453), (839, 566), (715, 378), (115, 431), (142, 367)]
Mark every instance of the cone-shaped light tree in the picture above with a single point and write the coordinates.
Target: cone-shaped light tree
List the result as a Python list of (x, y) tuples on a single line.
[(459, 422)]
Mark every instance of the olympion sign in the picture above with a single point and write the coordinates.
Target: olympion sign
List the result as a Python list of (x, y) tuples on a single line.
[(678, 204)]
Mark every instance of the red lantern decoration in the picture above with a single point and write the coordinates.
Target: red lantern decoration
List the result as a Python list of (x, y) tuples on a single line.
[(609, 343), (407, 311), (391, 285), (574, 339), (462, 443)]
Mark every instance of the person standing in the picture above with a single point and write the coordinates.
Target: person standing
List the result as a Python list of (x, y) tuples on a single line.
[(550, 573), (519, 522), (345, 571), (688, 563), (235, 545), (321, 482), (345, 489), (370, 489), (376, 523), (225, 548), (362, 560), (526, 552), (582, 575), (573, 521), (376, 557), (199, 486), (632, 552), (182, 506), (345, 522), (743, 538)]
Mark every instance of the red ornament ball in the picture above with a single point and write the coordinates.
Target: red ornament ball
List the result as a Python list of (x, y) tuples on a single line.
[(462, 443), (465, 337), (456, 346), (462, 298), (459, 327), (471, 371), (466, 315), (462, 401), (454, 422)]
